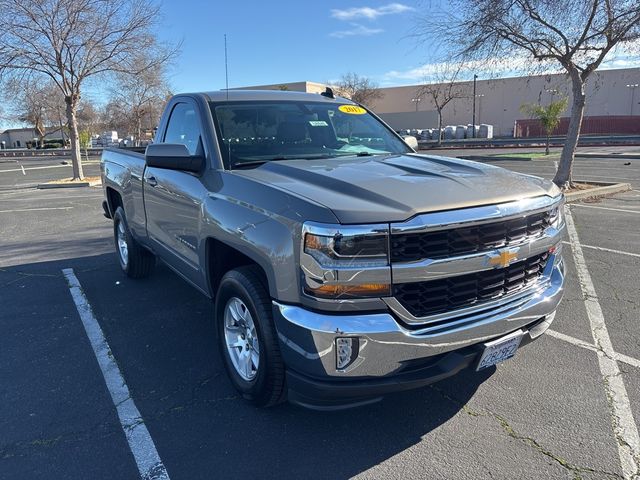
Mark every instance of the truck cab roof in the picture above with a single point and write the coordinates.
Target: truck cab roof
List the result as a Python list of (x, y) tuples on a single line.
[(267, 95)]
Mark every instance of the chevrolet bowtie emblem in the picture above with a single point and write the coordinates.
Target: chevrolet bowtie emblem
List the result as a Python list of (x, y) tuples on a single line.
[(502, 258)]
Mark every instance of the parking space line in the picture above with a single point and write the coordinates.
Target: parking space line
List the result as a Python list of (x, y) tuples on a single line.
[(607, 208), (144, 450), (634, 362), (624, 426), (604, 249), (16, 210), (22, 169)]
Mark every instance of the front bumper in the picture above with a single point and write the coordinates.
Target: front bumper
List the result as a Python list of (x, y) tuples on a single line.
[(392, 356)]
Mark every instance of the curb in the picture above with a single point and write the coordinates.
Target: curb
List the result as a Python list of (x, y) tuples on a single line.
[(600, 190), (480, 158), (46, 186), (609, 156)]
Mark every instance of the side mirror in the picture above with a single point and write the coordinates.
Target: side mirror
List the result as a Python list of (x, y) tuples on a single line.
[(411, 141), (173, 156)]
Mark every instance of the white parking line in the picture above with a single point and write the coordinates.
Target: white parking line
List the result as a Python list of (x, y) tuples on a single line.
[(624, 426), (604, 249), (22, 169), (144, 450), (634, 362), (607, 208), (34, 209)]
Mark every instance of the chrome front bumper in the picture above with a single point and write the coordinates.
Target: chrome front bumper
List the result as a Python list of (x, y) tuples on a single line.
[(307, 339)]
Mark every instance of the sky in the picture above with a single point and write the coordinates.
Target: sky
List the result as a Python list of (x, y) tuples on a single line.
[(279, 41), (271, 42), (285, 41)]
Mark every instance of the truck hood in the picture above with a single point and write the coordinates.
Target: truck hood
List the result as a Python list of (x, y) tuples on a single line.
[(394, 188)]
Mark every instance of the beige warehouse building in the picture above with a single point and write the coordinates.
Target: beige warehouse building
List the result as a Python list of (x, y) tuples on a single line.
[(610, 93)]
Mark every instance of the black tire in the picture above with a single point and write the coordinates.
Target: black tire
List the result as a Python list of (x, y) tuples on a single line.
[(267, 388), (139, 262)]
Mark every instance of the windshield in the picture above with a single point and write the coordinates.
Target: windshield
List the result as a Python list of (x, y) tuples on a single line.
[(251, 133)]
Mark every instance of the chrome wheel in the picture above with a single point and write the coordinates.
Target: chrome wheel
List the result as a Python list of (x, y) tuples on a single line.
[(123, 249), (241, 339)]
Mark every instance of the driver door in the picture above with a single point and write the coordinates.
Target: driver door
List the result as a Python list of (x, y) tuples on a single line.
[(173, 198)]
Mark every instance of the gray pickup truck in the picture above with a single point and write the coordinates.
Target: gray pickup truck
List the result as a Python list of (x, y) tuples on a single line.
[(342, 264)]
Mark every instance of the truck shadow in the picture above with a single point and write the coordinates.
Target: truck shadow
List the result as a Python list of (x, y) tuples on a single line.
[(161, 332)]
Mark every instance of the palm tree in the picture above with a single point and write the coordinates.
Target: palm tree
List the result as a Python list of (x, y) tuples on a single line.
[(549, 116)]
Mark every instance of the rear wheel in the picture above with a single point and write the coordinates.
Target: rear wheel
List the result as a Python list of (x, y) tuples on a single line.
[(135, 261), (247, 337)]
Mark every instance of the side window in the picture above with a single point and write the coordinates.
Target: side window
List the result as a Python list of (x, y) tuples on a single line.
[(183, 127)]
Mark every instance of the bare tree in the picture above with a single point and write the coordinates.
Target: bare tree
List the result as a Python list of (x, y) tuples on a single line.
[(31, 104), (359, 89), (29, 99), (576, 35), (71, 41), (140, 99), (443, 88), (89, 118)]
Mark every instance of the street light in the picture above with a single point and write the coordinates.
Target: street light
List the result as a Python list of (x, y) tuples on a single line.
[(417, 100), (473, 120), (633, 87), (552, 91)]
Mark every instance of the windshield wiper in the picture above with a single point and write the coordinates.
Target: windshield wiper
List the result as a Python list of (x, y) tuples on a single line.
[(253, 163)]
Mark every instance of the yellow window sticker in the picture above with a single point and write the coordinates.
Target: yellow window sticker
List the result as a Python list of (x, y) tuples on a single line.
[(352, 109)]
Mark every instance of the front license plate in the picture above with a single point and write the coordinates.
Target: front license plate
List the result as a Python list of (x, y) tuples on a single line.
[(500, 350)]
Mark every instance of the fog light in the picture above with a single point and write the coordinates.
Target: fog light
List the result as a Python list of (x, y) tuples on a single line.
[(346, 352)]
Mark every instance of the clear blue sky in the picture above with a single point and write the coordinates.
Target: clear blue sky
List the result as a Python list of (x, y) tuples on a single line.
[(285, 41), (280, 41)]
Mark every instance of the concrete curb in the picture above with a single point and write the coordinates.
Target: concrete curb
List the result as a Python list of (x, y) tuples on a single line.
[(609, 156), (600, 189), (46, 186), (480, 158)]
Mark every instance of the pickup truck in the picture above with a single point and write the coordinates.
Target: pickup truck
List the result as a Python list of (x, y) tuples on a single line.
[(342, 265)]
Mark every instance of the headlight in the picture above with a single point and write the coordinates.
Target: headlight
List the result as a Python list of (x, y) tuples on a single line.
[(348, 250), (556, 215), (341, 262)]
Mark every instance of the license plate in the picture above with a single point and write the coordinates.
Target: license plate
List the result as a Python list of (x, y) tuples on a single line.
[(500, 350)]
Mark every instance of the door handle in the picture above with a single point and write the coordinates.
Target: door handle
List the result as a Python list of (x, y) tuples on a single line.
[(152, 182)]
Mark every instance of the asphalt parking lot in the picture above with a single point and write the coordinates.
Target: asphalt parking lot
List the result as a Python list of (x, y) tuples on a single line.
[(558, 409)]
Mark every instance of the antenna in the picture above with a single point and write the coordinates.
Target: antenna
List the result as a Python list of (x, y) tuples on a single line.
[(226, 66), (226, 77)]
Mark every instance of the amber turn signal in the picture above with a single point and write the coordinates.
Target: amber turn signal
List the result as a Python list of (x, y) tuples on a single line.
[(350, 291)]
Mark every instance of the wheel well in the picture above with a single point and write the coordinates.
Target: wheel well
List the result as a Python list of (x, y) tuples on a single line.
[(114, 200), (221, 258)]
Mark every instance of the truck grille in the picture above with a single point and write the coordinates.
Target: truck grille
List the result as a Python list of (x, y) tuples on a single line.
[(409, 247), (444, 295)]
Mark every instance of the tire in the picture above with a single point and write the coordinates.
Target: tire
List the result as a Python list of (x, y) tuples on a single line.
[(261, 384), (135, 261)]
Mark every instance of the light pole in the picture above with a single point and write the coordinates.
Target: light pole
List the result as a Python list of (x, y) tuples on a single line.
[(633, 87), (552, 91), (473, 119), (417, 101)]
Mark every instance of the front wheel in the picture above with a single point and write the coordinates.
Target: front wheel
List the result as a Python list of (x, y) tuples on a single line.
[(247, 337), (135, 261)]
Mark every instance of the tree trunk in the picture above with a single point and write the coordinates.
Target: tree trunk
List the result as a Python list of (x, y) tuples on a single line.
[(546, 150), (563, 175), (138, 129), (41, 131), (439, 127), (76, 158)]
